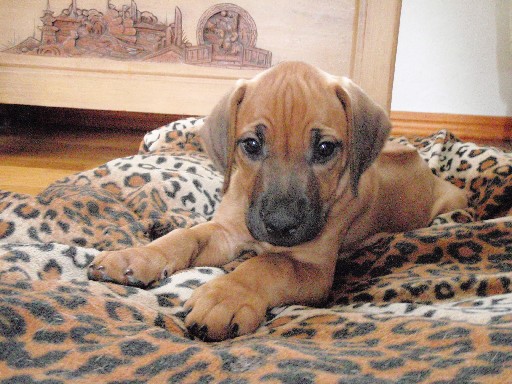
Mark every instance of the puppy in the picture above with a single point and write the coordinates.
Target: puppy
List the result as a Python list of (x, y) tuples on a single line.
[(308, 177)]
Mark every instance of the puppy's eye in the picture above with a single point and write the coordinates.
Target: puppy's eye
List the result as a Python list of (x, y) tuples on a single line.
[(324, 151), (252, 147)]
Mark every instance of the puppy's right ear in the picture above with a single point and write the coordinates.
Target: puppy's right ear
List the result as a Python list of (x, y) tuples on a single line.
[(218, 131)]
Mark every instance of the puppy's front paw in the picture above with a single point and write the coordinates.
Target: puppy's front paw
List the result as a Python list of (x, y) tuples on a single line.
[(223, 308), (137, 267)]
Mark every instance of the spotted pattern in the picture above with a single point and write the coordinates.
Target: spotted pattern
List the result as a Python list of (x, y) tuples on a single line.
[(432, 305)]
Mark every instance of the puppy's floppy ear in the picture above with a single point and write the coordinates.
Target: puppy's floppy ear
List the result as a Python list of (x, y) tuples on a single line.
[(218, 131), (368, 127)]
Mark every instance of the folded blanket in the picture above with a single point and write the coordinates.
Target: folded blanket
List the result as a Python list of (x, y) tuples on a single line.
[(431, 305)]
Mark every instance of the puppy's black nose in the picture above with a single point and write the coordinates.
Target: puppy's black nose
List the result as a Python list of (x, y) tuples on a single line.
[(281, 226), (282, 223), (284, 218)]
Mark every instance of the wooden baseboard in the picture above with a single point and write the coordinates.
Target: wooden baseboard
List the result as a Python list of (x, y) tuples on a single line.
[(37, 117), (465, 127)]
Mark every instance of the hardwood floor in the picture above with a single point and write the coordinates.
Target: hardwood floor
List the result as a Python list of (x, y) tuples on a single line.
[(39, 145), (31, 159)]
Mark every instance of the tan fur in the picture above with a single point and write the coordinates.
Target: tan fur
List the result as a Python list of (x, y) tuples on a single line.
[(364, 190)]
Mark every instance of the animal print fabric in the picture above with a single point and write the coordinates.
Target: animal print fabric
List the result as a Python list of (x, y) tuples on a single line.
[(427, 306)]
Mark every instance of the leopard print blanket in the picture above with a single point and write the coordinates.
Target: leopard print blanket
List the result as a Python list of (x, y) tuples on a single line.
[(431, 305)]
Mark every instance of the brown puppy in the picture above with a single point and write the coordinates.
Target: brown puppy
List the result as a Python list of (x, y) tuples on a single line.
[(305, 181)]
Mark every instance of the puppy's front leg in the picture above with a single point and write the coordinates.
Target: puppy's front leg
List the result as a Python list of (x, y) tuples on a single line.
[(204, 244), (236, 303)]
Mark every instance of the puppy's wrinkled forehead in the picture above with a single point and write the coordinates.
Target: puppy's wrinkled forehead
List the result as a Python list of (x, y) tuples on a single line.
[(292, 97)]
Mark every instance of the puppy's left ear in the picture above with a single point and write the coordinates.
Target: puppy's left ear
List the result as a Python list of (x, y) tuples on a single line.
[(218, 131), (368, 126)]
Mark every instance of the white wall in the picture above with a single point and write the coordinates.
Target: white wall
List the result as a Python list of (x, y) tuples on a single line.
[(454, 56)]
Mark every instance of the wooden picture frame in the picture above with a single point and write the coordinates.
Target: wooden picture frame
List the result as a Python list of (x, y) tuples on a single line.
[(367, 38)]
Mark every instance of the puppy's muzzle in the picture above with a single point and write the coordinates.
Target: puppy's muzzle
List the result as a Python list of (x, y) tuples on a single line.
[(284, 219)]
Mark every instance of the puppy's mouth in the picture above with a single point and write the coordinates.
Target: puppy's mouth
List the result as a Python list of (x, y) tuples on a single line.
[(284, 221)]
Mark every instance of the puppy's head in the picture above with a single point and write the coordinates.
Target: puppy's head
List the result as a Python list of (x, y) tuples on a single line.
[(290, 134)]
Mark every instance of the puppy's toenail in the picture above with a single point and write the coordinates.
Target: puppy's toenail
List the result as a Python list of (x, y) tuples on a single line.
[(202, 333), (192, 329), (233, 331)]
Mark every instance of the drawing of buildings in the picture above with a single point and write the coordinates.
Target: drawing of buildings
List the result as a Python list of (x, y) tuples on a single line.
[(226, 36)]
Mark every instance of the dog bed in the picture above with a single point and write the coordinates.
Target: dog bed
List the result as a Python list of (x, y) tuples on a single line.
[(430, 305)]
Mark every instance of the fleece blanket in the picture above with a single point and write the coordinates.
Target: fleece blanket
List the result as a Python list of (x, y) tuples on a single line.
[(432, 305)]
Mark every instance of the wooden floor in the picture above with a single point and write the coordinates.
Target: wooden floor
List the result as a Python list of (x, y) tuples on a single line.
[(39, 145), (31, 159)]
